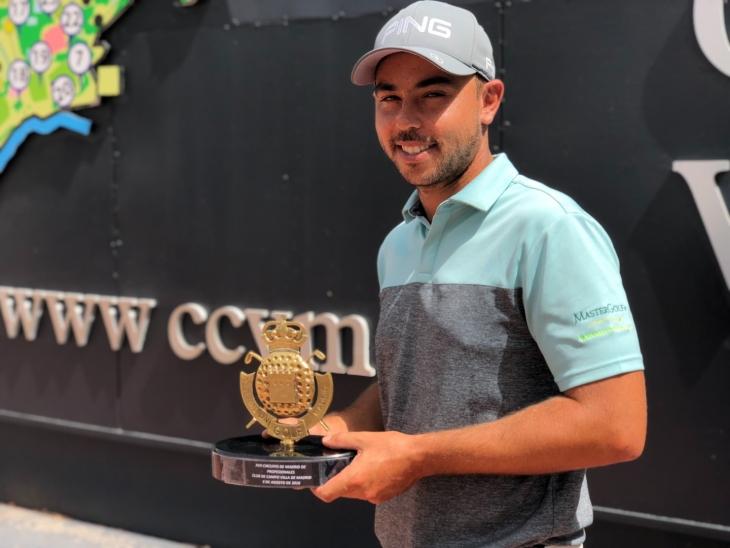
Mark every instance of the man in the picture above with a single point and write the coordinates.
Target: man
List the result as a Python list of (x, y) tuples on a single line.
[(507, 358)]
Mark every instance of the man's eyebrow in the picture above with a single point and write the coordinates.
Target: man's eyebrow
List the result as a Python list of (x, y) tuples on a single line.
[(383, 86), (432, 81)]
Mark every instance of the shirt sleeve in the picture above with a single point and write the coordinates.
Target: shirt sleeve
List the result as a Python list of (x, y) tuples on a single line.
[(381, 265), (575, 303)]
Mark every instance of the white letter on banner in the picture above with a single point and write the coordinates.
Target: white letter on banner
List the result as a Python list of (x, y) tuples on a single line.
[(700, 176), (120, 316), (216, 348), (360, 345), (65, 311), (21, 307), (709, 23), (175, 336), (333, 347)]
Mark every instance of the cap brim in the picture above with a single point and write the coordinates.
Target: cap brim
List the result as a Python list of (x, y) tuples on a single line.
[(363, 73)]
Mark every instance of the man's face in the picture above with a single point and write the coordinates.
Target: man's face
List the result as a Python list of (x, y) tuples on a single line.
[(428, 122)]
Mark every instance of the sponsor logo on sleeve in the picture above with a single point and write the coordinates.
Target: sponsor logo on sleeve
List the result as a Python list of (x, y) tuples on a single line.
[(601, 321)]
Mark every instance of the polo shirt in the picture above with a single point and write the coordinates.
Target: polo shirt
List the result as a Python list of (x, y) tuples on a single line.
[(510, 295)]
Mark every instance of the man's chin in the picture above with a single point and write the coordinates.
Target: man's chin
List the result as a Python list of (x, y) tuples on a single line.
[(421, 182), (414, 178)]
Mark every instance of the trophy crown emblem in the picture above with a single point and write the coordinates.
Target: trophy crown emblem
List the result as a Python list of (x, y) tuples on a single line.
[(281, 334), (285, 384)]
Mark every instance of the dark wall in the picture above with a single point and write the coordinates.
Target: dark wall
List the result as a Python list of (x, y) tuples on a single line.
[(624, 91), (240, 167)]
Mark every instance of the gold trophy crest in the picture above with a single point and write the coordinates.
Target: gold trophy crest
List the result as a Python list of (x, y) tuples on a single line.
[(288, 398), (285, 387)]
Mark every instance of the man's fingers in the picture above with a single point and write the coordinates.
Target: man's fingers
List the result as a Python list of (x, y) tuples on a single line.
[(317, 430), (342, 484), (344, 440), (335, 488)]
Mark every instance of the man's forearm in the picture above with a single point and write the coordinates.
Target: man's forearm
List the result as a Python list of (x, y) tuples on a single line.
[(363, 415), (591, 425), (559, 434)]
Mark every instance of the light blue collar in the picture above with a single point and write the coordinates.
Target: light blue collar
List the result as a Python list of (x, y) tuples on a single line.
[(480, 193)]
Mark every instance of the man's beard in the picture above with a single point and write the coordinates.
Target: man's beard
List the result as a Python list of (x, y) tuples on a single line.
[(449, 169)]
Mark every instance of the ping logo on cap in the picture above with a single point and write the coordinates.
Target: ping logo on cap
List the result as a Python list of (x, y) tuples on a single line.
[(430, 25)]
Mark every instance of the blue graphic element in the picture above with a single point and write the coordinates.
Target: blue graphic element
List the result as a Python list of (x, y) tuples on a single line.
[(60, 120)]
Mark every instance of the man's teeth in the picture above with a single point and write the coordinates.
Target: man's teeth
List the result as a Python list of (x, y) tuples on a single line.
[(415, 150)]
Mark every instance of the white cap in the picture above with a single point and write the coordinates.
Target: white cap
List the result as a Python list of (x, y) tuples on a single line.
[(449, 37)]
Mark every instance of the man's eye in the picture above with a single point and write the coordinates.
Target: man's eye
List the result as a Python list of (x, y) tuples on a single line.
[(435, 94), (389, 98)]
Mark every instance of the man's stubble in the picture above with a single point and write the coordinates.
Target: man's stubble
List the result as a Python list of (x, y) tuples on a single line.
[(449, 168)]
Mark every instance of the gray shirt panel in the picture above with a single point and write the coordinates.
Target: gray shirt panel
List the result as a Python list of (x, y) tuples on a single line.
[(453, 355)]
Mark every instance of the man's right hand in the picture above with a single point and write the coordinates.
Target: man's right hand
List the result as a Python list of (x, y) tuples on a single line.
[(335, 424)]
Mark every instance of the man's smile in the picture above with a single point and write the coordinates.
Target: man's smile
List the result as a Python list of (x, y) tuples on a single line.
[(413, 150)]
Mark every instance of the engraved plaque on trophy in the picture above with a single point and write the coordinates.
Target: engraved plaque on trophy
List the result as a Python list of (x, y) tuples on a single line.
[(287, 398)]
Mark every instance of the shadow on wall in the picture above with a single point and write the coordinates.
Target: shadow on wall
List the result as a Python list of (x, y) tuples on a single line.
[(685, 99), (685, 106), (690, 289)]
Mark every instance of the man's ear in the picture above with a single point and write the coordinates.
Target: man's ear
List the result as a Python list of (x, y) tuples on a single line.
[(491, 95)]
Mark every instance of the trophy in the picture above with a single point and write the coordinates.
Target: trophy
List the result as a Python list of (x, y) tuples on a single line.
[(287, 398)]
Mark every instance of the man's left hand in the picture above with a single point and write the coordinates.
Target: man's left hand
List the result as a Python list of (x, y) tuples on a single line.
[(386, 464)]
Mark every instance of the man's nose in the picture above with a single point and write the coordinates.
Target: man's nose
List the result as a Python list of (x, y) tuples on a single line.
[(408, 116)]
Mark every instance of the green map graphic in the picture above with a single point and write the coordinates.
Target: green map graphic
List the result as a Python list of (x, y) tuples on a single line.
[(50, 52)]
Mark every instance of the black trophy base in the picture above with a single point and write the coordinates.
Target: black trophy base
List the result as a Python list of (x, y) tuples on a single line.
[(254, 461)]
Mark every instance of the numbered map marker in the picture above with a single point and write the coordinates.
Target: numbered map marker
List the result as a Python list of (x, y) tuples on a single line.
[(63, 91), (72, 19), (79, 58), (40, 57), (44, 74), (19, 75), (19, 10), (49, 6)]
